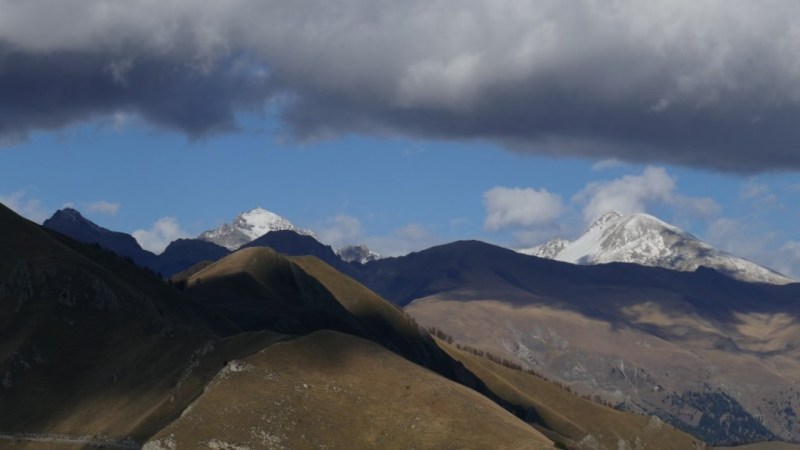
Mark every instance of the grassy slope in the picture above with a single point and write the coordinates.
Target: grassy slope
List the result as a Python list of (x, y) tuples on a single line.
[(567, 417), (338, 391)]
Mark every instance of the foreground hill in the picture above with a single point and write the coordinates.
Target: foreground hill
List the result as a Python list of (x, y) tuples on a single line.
[(259, 289), (331, 390), (712, 355)]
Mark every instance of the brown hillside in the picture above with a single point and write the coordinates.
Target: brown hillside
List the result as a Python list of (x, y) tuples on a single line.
[(337, 391)]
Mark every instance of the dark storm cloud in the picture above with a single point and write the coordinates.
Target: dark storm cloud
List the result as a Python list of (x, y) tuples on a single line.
[(703, 83), (59, 88)]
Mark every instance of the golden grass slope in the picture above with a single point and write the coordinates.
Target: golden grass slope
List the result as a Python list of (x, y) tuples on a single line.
[(331, 390), (570, 419)]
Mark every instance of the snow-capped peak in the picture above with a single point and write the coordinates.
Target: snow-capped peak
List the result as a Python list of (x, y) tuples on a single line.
[(647, 240), (249, 226)]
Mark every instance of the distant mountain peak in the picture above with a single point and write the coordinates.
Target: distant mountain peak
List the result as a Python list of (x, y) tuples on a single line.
[(70, 222), (248, 226), (649, 241)]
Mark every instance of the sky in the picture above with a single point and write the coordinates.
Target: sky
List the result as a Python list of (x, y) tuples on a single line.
[(403, 125)]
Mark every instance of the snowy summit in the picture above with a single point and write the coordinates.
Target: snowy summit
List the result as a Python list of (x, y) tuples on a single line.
[(647, 240), (249, 226)]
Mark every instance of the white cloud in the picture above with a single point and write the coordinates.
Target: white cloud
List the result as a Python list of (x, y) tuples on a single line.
[(626, 195), (341, 230), (788, 259), (164, 231), (403, 240), (738, 237), (607, 164), (518, 207), (102, 207), (749, 239), (634, 193), (752, 189), (758, 194), (25, 206)]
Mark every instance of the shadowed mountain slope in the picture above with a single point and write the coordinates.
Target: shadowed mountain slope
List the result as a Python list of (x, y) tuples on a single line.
[(92, 344), (182, 254)]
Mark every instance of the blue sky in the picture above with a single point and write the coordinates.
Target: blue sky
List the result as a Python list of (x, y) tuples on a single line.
[(406, 124), (396, 194)]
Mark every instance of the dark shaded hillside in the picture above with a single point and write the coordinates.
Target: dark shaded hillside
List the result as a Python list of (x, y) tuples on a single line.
[(477, 266), (182, 254), (91, 343)]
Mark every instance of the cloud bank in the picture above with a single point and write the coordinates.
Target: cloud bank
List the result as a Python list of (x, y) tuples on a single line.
[(634, 193), (520, 207), (701, 83), (159, 236)]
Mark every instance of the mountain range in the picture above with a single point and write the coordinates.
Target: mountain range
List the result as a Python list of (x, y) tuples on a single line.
[(704, 349), (712, 355), (646, 240), (99, 353)]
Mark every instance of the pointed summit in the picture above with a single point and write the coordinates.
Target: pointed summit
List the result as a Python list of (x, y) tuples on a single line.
[(248, 226)]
